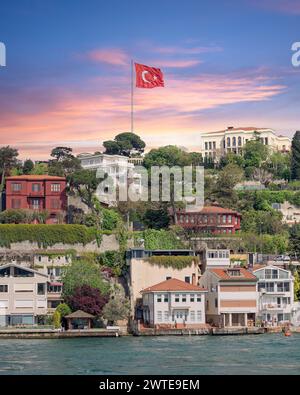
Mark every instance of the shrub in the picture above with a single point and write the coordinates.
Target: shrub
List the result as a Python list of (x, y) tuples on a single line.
[(158, 239), (87, 299), (56, 319), (63, 309), (176, 262)]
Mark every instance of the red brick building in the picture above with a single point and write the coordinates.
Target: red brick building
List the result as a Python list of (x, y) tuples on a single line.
[(38, 193), (211, 219)]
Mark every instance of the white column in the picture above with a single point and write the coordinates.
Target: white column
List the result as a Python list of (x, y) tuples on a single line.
[(230, 320), (246, 319)]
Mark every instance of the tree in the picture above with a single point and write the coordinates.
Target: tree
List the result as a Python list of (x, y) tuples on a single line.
[(82, 272), (40, 169), (295, 165), (65, 162), (84, 182), (170, 155), (118, 308), (124, 144), (28, 166), (296, 285), (56, 319), (61, 153), (295, 239), (8, 159), (255, 153), (63, 309), (157, 218), (87, 299)]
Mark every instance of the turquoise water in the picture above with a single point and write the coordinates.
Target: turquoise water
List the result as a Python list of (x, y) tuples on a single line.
[(261, 354)]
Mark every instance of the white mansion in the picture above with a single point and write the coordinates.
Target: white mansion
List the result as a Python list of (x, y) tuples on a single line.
[(216, 144)]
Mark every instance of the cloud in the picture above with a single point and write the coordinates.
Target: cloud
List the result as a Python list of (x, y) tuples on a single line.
[(84, 118), (112, 56), (175, 63), (179, 50), (282, 6)]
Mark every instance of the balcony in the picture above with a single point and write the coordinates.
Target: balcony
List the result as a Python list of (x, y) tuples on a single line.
[(274, 306)]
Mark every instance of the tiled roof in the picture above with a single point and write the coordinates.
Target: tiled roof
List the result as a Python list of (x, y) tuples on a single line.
[(224, 275), (79, 314), (36, 177), (173, 284), (213, 210)]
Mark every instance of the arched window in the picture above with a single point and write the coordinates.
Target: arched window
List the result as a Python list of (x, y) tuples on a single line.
[(239, 141), (233, 141), (228, 141)]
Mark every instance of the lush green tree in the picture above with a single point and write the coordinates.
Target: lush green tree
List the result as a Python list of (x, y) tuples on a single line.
[(63, 309), (170, 155), (255, 153), (28, 166), (40, 169), (259, 222), (295, 161), (8, 160), (296, 285), (118, 308), (65, 162), (157, 218), (124, 144), (295, 239), (82, 272), (87, 299), (56, 319)]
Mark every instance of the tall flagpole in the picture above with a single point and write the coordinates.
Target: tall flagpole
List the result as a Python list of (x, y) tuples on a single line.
[(132, 87)]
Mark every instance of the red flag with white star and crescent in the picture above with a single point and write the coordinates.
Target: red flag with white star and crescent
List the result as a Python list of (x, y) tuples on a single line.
[(148, 77)]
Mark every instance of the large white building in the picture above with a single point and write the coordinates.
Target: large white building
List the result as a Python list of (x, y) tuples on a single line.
[(275, 294), (174, 303), (118, 170), (216, 144)]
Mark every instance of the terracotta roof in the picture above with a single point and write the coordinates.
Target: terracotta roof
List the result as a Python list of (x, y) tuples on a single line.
[(36, 177), (79, 314), (213, 210), (173, 284), (223, 274)]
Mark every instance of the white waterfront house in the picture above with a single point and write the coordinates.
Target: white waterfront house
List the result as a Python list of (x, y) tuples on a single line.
[(216, 144), (275, 294), (174, 303), (216, 258), (117, 170)]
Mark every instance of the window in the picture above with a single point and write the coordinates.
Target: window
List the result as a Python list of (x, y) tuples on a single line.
[(239, 141), (36, 187), (166, 316), (233, 272), (192, 298), (166, 298), (168, 278), (206, 146), (3, 288), (16, 187), (228, 141), (199, 315), (159, 316), (183, 298), (283, 287), (270, 287), (158, 298), (224, 219), (229, 219), (198, 298), (55, 187), (261, 286), (177, 298), (192, 316), (35, 203), (16, 203), (210, 145), (214, 145), (18, 272), (234, 141), (55, 203), (216, 303), (41, 288), (187, 279)]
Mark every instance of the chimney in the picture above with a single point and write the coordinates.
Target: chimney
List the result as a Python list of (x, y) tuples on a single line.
[(229, 127)]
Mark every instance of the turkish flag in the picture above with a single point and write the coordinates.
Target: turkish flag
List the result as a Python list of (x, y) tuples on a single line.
[(148, 77)]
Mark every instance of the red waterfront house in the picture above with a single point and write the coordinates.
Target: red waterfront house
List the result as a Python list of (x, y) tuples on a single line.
[(38, 193), (211, 219)]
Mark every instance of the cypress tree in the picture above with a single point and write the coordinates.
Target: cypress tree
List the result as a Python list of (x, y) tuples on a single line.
[(295, 165)]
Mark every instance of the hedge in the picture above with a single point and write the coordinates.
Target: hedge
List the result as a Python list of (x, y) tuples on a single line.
[(47, 235), (158, 239), (176, 262)]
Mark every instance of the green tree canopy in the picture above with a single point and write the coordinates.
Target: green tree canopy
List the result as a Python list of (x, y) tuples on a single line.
[(83, 272), (28, 166), (8, 160), (124, 144)]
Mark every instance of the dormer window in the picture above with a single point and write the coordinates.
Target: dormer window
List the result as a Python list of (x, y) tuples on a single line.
[(234, 272)]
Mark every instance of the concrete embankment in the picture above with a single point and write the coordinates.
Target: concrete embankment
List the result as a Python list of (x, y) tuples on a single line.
[(55, 334), (200, 332)]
